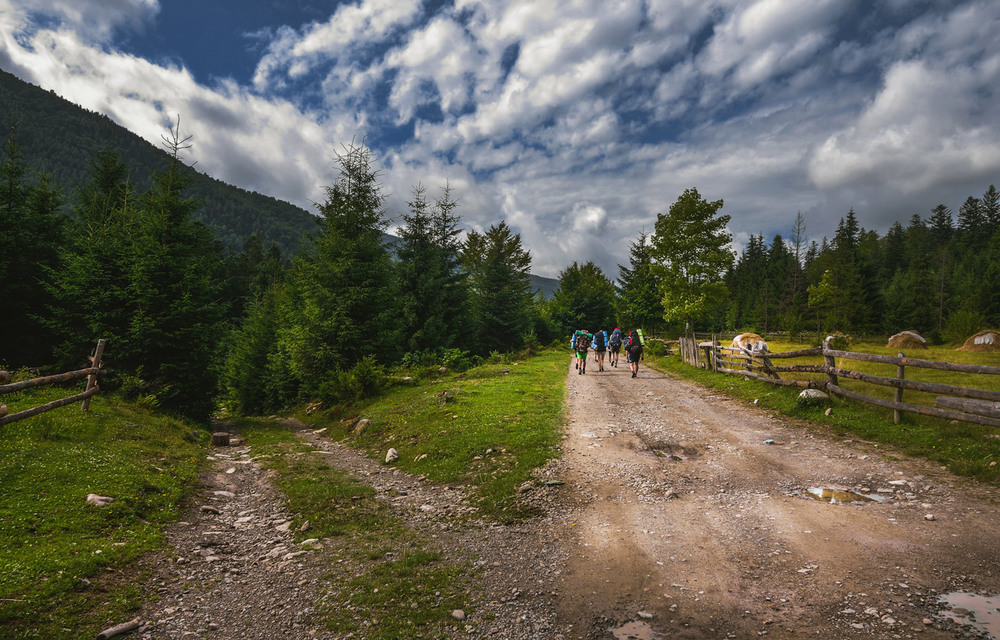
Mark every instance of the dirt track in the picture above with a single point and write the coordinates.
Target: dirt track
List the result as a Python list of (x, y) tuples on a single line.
[(691, 509), (682, 515)]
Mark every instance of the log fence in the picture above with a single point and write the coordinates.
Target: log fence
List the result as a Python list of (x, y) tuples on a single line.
[(91, 389), (965, 404)]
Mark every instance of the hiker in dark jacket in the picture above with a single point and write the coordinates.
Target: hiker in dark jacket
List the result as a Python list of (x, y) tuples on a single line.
[(633, 349), (614, 347), (600, 346), (582, 347)]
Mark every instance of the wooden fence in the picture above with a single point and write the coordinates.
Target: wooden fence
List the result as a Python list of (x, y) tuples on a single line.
[(965, 404), (92, 388)]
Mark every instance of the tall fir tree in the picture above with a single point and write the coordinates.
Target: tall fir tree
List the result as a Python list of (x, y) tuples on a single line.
[(343, 290), (500, 290), (31, 232), (639, 301)]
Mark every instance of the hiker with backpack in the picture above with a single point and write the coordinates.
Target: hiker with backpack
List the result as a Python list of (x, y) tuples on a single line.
[(581, 346), (614, 347), (633, 349), (600, 346)]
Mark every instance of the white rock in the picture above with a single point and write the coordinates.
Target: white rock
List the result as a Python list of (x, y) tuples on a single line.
[(391, 456), (930, 516), (458, 614), (99, 501)]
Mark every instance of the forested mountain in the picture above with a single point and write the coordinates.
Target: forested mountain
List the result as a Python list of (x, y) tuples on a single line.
[(60, 138)]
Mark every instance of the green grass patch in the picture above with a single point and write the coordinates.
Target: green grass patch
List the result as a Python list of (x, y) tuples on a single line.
[(385, 582), (486, 429), (61, 556), (964, 448)]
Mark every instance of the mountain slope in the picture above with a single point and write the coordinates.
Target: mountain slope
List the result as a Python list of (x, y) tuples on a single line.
[(59, 137)]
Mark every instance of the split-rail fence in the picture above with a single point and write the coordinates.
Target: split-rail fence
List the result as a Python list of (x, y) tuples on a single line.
[(978, 406), (91, 373)]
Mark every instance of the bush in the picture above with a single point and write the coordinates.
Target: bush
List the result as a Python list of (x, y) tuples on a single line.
[(366, 379), (839, 341), (531, 343), (963, 324), (655, 348)]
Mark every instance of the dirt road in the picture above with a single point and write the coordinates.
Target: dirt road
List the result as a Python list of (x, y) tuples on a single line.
[(692, 520), (683, 514)]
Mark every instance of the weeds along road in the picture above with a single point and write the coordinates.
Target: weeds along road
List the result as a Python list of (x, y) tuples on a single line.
[(689, 519)]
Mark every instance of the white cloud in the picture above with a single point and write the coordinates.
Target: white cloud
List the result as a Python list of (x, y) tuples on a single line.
[(94, 19)]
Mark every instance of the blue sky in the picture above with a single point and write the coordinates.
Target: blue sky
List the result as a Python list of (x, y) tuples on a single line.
[(576, 122)]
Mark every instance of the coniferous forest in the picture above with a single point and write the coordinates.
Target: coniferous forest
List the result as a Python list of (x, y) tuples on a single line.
[(193, 323)]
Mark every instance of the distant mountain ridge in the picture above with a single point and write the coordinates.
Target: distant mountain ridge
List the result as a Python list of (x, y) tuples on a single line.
[(60, 138)]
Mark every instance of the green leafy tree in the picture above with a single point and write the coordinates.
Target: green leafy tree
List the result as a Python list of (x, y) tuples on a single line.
[(500, 290), (691, 249), (585, 299), (639, 301)]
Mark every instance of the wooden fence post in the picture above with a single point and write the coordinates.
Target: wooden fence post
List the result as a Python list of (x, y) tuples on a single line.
[(897, 415), (92, 378), (831, 364)]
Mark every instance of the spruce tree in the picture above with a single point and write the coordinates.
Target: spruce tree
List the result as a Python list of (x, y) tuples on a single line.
[(639, 301), (500, 290), (343, 293)]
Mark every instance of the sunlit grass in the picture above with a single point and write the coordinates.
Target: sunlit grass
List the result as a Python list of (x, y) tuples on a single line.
[(59, 554), (964, 448)]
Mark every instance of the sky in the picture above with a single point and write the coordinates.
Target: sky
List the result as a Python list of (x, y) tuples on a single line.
[(576, 122)]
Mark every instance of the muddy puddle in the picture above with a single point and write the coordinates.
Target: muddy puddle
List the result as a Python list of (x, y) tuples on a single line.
[(976, 611), (635, 631), (839, 496)]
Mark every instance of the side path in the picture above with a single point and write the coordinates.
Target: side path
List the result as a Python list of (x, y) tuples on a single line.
[(237, 573), (692, 518)]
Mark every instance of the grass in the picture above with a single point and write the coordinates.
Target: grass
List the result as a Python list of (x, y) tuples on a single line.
[(385, 578), (60, 556), (486, 429), (965, 449), (70, 569)]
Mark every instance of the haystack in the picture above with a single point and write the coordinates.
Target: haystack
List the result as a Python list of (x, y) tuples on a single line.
[(988, 340), (907, 340), (749, 342)]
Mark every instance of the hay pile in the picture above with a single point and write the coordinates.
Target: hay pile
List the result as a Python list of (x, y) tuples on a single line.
[(988, 340), (907, 340), (749, 342)]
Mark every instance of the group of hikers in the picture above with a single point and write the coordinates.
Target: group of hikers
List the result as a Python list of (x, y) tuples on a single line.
[(603, 344)]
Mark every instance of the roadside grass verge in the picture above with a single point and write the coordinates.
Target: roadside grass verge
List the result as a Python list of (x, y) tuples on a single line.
[(384, 581), (63, 561), (486, 429), (965, 449)]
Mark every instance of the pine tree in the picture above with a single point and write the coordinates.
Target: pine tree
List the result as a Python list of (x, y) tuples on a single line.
[(500, 290), (585, 299), (639, 300), (31, 232), (343, 295)]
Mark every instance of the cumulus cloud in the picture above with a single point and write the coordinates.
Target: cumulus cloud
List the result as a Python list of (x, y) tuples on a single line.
[(582, 115)]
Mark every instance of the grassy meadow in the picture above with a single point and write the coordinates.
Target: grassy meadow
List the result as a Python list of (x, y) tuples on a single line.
[(964, 448)]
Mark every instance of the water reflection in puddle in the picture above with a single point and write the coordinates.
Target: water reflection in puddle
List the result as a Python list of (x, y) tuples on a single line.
[(979, 612), (635, 631), (839, 496)]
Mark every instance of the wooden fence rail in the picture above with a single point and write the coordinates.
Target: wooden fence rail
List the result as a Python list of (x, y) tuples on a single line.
[(965, 404), (91, 389)]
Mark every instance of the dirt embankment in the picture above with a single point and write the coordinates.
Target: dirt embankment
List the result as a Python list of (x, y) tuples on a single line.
[(684, 514)]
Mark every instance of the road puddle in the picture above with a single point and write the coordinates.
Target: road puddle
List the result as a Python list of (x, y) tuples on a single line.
[(978, 612), (635, 631), (839, 496)]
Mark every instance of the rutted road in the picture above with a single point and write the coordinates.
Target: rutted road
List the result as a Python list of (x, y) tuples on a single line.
[(689, 521)]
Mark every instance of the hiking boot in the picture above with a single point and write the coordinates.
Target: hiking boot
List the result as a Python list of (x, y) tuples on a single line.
[(633, 374)]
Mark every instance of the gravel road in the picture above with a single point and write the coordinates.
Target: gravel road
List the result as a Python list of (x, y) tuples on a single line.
[(681, 514)]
